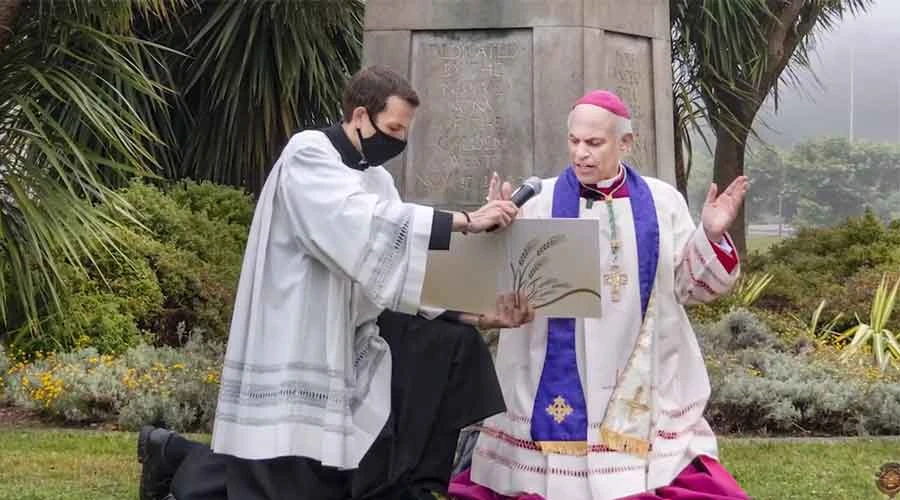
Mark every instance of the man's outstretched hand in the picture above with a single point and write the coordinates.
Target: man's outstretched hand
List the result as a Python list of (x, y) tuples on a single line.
[(720, 211), (498, 213)]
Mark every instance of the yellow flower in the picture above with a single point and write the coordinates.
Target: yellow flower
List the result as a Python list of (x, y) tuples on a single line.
[(129, 380), (16, 368), (49, 390)]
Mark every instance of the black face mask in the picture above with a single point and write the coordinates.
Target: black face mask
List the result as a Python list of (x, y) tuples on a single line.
[(379, 148)]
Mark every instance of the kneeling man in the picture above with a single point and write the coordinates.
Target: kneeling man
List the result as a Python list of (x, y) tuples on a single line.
[(612, 407)]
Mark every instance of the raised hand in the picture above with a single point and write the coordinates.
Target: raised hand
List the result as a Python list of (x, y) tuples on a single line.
[(720, 211), (498, 190)]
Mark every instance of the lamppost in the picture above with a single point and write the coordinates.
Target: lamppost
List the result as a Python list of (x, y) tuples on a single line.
[(852, 77)]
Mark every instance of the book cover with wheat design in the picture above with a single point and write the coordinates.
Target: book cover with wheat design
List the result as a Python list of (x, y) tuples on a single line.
[(556, 262)]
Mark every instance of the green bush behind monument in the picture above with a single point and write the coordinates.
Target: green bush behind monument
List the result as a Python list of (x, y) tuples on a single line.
[(183, 262), (142, 341)]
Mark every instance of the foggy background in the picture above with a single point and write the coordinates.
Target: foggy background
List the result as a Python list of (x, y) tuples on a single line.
[(824, 108)]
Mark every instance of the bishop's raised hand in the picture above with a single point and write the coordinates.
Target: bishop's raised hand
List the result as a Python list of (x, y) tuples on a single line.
[(720, 210), (498, 190)]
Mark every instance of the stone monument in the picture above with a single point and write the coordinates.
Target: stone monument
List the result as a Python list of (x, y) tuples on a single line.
[(497, 77)]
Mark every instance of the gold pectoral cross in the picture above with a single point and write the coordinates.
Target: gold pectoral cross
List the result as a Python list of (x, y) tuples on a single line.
[(616, 279)]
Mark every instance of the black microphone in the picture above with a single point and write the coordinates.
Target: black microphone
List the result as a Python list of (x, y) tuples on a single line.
[(528, 190)]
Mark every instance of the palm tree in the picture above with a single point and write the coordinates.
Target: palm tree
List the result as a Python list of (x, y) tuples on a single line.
[(255, 73), (73, 90), (709, 39), (93, 93), (729, 56)]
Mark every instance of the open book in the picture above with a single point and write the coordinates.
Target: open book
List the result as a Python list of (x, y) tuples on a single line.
[(555, 261)]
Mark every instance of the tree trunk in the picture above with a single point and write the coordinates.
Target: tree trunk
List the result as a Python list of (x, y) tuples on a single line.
[(8, 10), (729, 165), (681, 178)]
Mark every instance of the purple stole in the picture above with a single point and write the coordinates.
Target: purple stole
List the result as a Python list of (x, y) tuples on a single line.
[(559, 377)]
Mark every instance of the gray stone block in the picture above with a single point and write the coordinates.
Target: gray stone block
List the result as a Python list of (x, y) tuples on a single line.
[(476, 115), (391, 49), (629, 74), (558, 77), (471, 14), (648, 18), (497, 80)]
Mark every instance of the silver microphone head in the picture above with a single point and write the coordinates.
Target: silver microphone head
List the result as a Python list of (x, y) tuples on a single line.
[(529, 189), (534, 182)]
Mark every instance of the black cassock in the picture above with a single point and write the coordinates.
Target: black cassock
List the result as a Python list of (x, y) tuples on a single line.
[(443, 380)]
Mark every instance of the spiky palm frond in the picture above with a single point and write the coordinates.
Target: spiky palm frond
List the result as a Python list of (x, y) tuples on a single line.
[(67, 129), (715, 44), (721, 53), (828, 13), (256, 73)]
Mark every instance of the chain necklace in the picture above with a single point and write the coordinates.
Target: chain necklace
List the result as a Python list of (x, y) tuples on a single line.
[(615, 278)]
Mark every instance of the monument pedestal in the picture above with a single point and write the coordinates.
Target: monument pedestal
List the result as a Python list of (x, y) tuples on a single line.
[(497, 79)]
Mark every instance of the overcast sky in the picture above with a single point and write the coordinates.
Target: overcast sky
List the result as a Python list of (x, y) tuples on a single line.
[(819, 109)]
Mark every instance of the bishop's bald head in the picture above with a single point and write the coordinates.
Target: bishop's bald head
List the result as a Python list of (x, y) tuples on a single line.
[(599, 135)]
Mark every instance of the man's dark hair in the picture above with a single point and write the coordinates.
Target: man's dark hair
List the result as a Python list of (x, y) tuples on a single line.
[(371, 87)]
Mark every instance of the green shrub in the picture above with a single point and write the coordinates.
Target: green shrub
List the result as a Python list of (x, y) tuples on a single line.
[(787, 329), (181, 396), (745, 293), (856, 296), (761, 387), (838, 251), (102, 306), (4, 368), (736, 330), (881, 408), (841, 265), (176, 388), (207, 220), (745, 330), (180, 274), (215, 202), (702, 314), (768, 391)]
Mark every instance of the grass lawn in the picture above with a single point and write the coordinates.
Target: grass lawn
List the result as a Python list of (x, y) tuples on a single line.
[(822, 470), (51, 464), (761, 243), (54, 464)]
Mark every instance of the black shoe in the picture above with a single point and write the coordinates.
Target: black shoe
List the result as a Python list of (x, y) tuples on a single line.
[(156, 473)]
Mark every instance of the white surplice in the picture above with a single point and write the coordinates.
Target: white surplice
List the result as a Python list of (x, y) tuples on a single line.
[(508, 462), (330, 247)]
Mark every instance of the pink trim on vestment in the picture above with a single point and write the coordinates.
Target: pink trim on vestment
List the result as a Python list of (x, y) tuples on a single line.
[(702, 479)]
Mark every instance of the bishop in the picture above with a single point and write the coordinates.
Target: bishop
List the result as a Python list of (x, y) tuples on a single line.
[(633, 381)]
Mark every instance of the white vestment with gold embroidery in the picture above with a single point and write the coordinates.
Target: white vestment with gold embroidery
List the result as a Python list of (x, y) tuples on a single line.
[(506, 459)]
